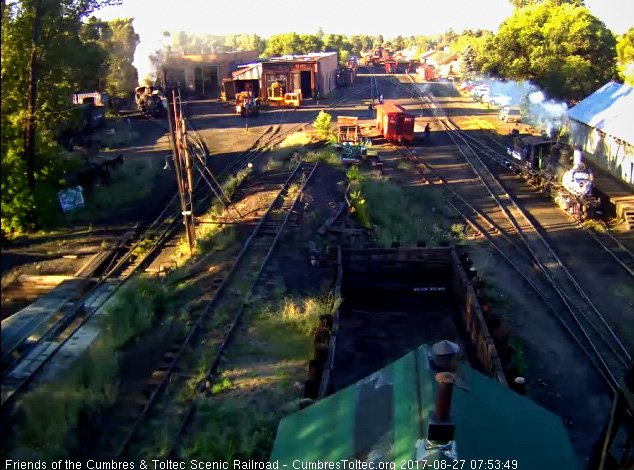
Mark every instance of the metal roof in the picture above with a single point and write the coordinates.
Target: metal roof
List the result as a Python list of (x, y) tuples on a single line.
[(610, 109), (389, 108), (377, 419), (248, 72)]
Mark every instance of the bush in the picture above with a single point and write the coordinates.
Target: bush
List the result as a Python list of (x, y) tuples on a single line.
[(322, 124)]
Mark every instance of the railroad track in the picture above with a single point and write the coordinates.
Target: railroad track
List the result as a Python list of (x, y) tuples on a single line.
[(606, 240), (135, 250), (208, 322), (582, 319)]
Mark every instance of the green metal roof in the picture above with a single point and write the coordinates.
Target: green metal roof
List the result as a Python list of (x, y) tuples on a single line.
[(377, 419)]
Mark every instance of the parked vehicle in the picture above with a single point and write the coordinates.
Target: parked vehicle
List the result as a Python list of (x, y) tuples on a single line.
[(510, 114), (293, 99), (496, 99), (479, 91), (247, 105)]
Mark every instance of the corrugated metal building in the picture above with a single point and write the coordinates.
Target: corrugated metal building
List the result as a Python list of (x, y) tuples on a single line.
[(386, 417), (603, 126), (310, 73), (202, 74)]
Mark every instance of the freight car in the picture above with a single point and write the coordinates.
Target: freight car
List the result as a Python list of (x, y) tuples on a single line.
[(82, 121), (346, 76), (427, 73), (390, 66), (548, 164), (394, 123)]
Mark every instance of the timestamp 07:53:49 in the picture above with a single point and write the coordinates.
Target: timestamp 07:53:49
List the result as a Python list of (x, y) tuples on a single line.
[(459, 465)]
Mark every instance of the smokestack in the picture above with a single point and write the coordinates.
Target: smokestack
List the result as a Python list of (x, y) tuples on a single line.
[(443, 397), (445, 361)]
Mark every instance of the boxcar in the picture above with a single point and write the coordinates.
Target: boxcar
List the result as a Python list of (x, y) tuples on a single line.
[(394, 123), (346, 76)]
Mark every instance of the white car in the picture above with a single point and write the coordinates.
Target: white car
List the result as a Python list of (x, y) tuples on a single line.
[(480, 90), (496, 99)]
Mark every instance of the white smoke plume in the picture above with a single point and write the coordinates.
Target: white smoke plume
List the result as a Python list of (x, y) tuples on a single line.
[(540, 112)]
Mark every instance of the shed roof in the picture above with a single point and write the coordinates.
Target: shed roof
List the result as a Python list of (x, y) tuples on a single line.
[(310, 57), (610, 109), (377, 419), (248, 72)]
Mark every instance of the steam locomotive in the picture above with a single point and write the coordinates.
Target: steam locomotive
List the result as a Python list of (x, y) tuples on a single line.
[(150, 101), (558, 170)]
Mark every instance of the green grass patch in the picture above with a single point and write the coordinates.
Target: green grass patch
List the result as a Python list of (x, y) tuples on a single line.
[(233, 182), (276, 338), (135, 180), (231, 431), (519, 358), (328, 156), (297, 139), (136, 306), (54, 414), (405, 166), (403, 214)]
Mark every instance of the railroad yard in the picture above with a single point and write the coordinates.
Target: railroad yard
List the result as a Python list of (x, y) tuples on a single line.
[(430, 240)]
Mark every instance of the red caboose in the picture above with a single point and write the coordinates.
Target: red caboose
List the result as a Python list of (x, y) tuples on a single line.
[(390, 66), (394, 123)]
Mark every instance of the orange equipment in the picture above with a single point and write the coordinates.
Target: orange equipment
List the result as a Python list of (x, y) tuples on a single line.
[(293, 99), (247, 105), (276, 94)]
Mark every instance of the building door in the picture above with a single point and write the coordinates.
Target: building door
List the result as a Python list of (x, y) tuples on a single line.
[(297, 82), (306, 84)]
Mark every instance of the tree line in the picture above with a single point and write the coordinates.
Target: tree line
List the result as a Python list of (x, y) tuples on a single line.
[(50, 50), (53, 48)]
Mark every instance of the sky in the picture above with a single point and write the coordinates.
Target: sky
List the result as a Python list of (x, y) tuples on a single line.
[(405, 17)]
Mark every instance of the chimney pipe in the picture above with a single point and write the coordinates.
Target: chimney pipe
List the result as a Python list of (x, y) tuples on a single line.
[(443, 397)]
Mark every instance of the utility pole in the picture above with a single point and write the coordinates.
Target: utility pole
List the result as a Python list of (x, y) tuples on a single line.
[(187, 214), (189, 181)]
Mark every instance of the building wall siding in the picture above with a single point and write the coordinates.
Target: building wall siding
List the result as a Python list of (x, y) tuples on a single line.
[(327, 74), (609, 153)]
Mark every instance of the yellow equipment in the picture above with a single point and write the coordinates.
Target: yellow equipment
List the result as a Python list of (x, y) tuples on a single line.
[(293, 99), (247, 105), (276, 94)]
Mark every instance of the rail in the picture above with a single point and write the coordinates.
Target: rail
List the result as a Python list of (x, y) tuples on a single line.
[(302, 168), (540, 250)]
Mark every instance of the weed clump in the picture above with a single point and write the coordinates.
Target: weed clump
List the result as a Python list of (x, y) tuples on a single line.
[(232, 431), (134, 309)]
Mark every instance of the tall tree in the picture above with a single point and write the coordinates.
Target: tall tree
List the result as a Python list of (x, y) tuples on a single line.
[(526, 3), (625, 47), (43, 57), (562, 47), (119, 41)]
